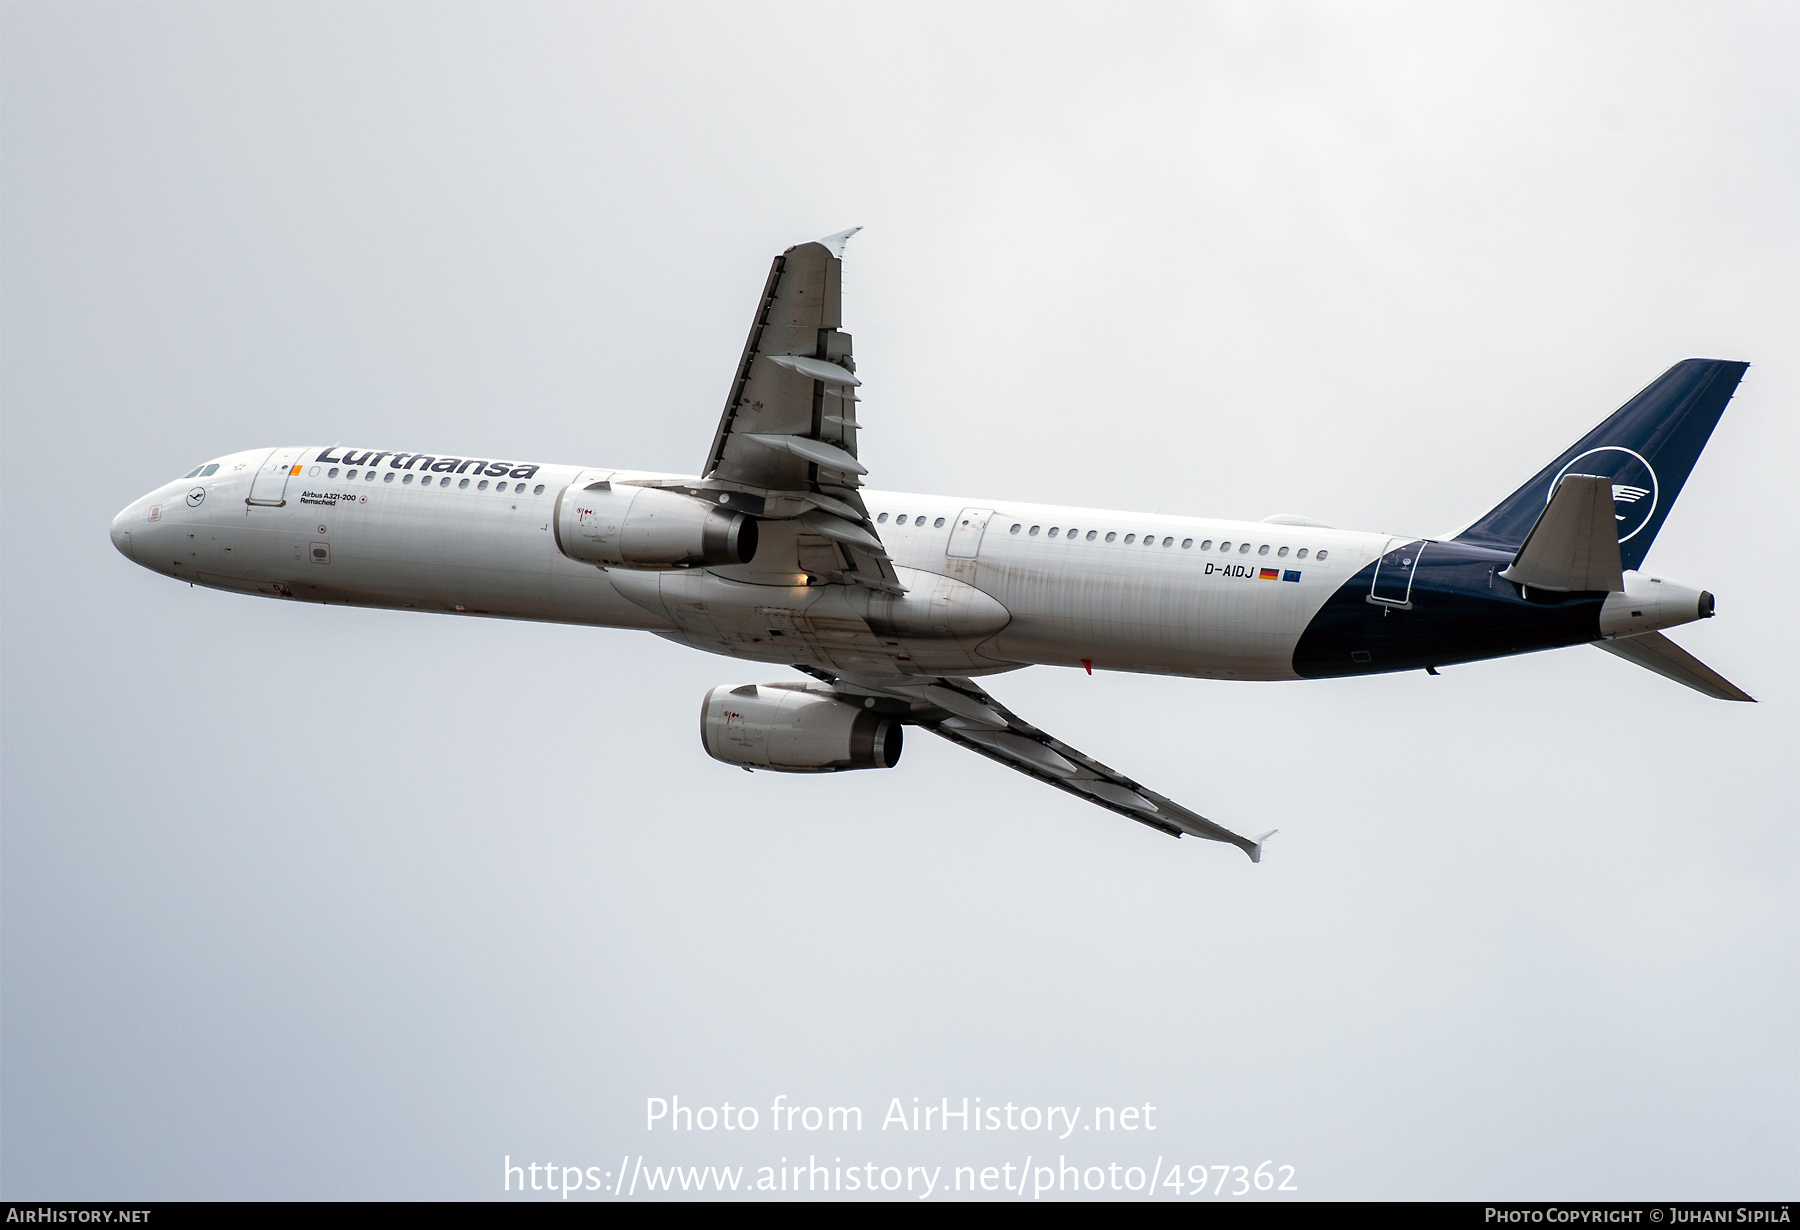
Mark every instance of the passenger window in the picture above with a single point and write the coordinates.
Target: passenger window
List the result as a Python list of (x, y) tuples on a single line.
[(368, 476), (388, 477), (1243, 548), (1149, 540), (900, 520), (1054, 531), (1281, 554), (1206, 545), (1224, 548), (1130, 538), (938, 524), (210, 470), (1110, 536), (349, 473), (406, 478), (1168, 542), (538, 490), (462, 485), (1263, 550), (1034, 530), (881, 520), (331, 473), (1186, 543), (482, 486), (1300, 554), (1015, 528), (1321, 556), (1092, 534)]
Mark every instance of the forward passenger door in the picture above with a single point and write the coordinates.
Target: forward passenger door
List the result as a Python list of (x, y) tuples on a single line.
[(269, 487)]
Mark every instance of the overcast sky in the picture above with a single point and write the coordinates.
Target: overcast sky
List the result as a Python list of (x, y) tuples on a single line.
[(307, 902)]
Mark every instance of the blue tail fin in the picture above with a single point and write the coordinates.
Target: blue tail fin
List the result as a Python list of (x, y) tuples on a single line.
[(1647, 448)]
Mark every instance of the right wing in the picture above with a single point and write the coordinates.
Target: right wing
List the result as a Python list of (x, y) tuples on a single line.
[(785, 450), (958, 710)]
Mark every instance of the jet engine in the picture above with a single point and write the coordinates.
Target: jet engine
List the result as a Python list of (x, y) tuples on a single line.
[(786, 727), (645, 527)]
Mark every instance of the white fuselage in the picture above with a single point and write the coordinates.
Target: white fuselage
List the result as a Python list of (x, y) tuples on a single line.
[(1123, 591)]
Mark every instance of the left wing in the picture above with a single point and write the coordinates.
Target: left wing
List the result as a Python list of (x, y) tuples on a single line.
[(958, 710), (785, 449)]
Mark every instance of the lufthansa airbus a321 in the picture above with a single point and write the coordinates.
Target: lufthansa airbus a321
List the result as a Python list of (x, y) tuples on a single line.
[(894, 605)]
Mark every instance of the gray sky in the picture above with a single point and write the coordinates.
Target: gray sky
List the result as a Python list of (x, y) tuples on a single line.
[(308, 902)]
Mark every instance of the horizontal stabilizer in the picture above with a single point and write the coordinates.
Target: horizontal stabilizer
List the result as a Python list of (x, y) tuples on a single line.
[(1574, 544), (1655, 652)]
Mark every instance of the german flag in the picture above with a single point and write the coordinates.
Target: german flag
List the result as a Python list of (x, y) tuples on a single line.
[(1269, 574)]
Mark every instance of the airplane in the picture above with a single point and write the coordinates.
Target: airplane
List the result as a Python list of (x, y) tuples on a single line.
[(893, 605)]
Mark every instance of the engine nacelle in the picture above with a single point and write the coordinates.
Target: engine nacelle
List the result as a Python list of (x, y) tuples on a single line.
[(645, 527), (785, 727)]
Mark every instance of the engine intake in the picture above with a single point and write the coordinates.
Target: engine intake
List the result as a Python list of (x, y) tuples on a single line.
[(645, 527), (785, 727)]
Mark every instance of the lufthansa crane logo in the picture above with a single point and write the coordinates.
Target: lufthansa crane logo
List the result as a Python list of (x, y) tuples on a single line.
[(1633, 484), (195, 496)]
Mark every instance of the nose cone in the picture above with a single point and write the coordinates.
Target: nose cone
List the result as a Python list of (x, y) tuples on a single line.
[(121, 536)]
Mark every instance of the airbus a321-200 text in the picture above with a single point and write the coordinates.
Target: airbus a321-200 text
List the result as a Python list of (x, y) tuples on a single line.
[(895, 607)]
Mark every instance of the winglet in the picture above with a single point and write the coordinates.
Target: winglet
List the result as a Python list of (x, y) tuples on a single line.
[(836, 242), (1256, 845)]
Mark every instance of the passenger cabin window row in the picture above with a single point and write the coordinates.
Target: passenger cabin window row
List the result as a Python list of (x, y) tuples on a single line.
[(1149, 540), (368, 476)]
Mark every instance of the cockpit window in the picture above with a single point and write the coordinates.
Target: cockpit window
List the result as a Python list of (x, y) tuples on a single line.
[(194, 473), (210, 470)]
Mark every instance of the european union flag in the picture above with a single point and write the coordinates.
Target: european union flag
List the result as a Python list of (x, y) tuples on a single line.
[(1290, 575)]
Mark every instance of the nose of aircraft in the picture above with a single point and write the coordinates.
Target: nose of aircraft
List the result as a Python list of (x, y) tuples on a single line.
[(121, 536)]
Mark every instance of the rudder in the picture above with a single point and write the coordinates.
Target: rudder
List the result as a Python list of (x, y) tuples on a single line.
[(1647, 448)]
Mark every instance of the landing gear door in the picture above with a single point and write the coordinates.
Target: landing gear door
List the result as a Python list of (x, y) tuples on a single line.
[(1392, 585), (269, 487), (965, 535)]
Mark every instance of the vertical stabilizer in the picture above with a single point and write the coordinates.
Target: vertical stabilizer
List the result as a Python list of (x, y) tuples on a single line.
[(1646, 449)]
